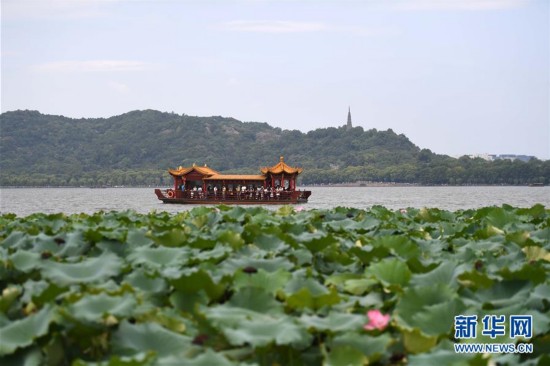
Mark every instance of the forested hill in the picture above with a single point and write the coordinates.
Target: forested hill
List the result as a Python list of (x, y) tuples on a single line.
[(138, 147)]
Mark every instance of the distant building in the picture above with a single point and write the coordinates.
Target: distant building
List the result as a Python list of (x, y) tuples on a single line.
[(514, 157), (348, 125), (492, 157), (488, 157)]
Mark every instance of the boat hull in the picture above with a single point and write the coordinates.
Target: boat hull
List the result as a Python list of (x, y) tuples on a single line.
[(188, 198)]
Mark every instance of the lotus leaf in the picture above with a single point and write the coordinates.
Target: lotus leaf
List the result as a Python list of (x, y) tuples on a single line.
[(22, 332), (390, 272), (131, 339), (370, 346), (334, 322), (97, 307), (430, 309), (346, 356), (159, 257), (241, 326), (268, 281), (25, 261), (89, 270), (256, 299)]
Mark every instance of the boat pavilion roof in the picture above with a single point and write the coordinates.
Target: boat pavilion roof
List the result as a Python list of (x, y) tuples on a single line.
[(281, 167), (211, 174), (204, 170)]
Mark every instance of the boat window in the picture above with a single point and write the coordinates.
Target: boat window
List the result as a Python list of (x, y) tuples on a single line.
[(287, 184), (277, 182)]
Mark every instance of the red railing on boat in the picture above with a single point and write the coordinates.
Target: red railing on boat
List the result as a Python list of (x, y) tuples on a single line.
[(232, 196)]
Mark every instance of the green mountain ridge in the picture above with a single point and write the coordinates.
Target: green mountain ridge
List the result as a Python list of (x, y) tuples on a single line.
[(137, 147)]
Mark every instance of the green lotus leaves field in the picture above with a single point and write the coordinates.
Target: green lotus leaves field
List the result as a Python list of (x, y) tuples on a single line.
[(250, 286)]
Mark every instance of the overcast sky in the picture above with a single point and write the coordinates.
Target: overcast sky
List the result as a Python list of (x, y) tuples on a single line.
[(455, 76)]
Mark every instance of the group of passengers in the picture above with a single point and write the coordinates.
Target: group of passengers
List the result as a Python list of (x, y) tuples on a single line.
[(241, 192)]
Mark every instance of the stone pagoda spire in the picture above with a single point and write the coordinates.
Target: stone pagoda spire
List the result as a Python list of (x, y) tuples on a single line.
[(348, 125)]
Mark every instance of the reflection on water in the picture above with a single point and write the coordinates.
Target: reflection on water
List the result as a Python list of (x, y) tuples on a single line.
[(24, 201)]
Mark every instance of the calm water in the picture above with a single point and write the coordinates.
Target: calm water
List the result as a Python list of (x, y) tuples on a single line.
[(24, 201)]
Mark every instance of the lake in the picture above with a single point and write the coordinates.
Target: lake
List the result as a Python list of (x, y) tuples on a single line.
[(25, 201)]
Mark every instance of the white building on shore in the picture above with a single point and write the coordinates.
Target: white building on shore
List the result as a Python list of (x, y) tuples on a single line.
[(492, 157)]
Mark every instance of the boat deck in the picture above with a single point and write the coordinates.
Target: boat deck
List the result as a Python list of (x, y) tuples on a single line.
[(247, 198)]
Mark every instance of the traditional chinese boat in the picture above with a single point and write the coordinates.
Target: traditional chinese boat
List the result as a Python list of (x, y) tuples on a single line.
[(204, 185)]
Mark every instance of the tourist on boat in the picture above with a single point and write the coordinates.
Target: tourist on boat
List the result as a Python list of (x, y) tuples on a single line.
[(215, 191), (223, 192)]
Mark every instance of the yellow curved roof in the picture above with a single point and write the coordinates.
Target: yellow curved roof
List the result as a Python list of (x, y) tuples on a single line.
[(281, 167), (204, 170)]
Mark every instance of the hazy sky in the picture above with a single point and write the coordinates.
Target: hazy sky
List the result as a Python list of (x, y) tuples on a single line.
[(455, 76)]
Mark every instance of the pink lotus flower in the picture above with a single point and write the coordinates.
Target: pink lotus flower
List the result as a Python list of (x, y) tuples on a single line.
[(403, 211), (377, 320), (299, 208)]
